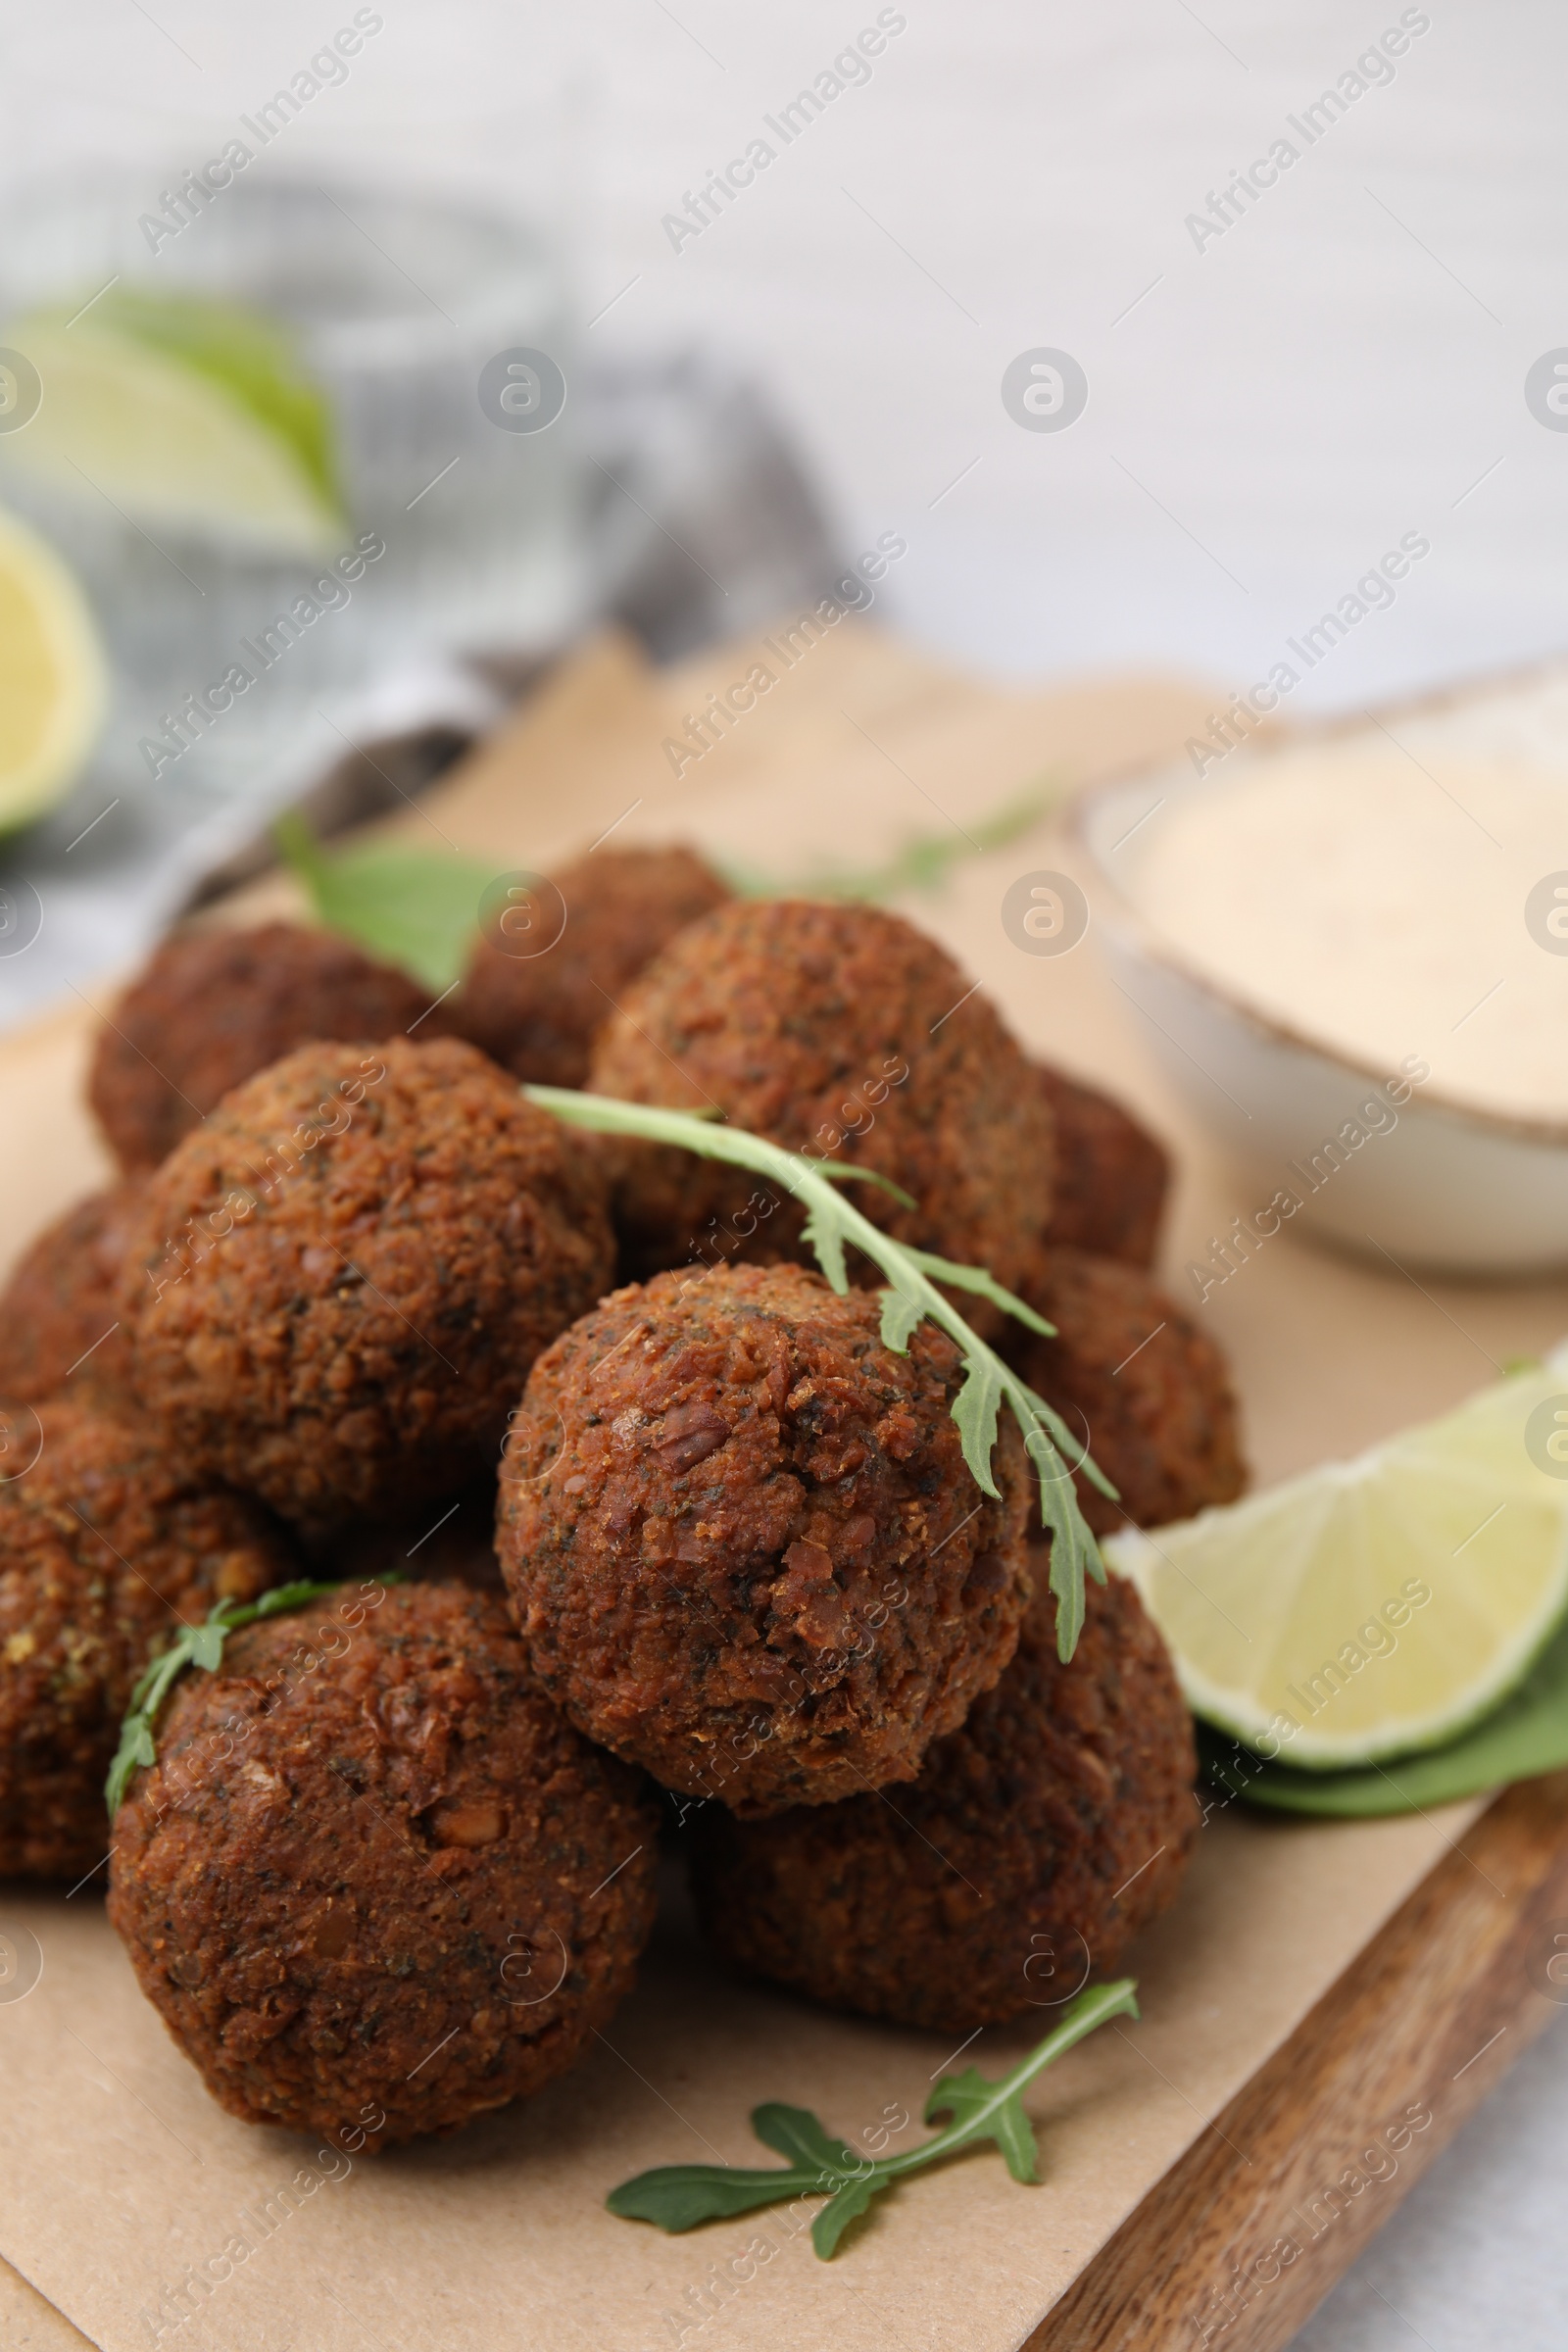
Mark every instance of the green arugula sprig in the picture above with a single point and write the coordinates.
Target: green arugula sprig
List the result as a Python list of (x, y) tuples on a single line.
[(680, 2196), (833, 1225), (421, 908), (923, 862), (195, 1646)]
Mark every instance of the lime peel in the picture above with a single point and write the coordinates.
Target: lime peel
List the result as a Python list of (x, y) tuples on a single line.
[(187, 413)]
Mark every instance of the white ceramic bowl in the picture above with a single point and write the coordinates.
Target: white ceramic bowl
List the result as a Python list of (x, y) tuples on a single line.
[(1435, 1182)]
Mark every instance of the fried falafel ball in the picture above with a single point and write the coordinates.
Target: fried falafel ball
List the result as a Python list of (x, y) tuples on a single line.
[(60, 1321), (534, 1002), (838, 1030), (1036, 1842), (1111, 1176), (742, 1541), (106, 1544), (386, 1892), (1136, 1382), (212, 1007), (340, 1282)]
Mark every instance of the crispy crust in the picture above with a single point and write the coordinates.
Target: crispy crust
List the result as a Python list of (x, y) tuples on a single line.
[(347, 1897), (742, 1541), (339, 1283), (58, 1313), (1136, 1381), (1033, 1845), (213, 1008), (537, 1014), (1111, 1175), (105, 1544), (838, 1029)]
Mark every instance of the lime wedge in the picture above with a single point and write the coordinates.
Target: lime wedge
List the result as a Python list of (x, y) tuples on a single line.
[(52, 676), (1376, 1607), (190, 415)]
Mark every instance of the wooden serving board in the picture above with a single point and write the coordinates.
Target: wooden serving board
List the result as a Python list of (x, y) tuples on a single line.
[(1316, 1988)]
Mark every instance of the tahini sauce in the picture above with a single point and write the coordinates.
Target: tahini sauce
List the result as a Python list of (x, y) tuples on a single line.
[(1380, 906)]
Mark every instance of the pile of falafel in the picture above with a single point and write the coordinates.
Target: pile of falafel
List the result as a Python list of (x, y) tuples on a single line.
[(688, 1553)]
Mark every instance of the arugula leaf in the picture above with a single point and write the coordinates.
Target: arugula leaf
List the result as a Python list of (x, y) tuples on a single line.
[(1068, 1453), (420, 910), (206, 1646), (824, 1232), (681, 2197), (834, 1224), (795, 2131), (985, 1286), (678, 2197), (975, 1409), (967, 2098), (412, 908), (197, 1646), (844, 2206), (924, 862), (846, 1167), (1527, 1735), (900, 1316)]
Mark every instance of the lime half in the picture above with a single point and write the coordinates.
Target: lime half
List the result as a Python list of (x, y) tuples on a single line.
[(1374, 1607), (191, 415), (52, 676)]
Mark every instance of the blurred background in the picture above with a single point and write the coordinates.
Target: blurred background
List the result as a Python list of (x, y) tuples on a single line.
[(1267, 383), (374, 355)]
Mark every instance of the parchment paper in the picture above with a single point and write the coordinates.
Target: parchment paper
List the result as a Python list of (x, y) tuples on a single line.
[(121, 2176)]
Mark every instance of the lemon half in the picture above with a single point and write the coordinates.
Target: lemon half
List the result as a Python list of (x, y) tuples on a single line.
[(1379, 1606), (52, 676)]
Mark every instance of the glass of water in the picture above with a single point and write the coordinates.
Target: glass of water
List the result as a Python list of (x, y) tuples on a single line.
[(439, 332)]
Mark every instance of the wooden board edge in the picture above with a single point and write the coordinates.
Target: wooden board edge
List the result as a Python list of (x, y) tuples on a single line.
[(1241, 2241)]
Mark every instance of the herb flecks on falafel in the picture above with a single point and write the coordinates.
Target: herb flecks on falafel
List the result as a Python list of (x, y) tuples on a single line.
[(742, 1541), (340, 1282), (210, 1009), (389, 1894), (839, 1030), (60, 1323), (536, 1002), (108, 1543), (1111, 1175), (1034, 1844)]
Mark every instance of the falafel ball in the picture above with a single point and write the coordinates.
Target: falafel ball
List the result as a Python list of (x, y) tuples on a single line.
[(838, 1030), (59, 1318), (1111, 1176), (106, 1543), (742, 1541), (1138, 1384), (340, 1282), (210, 1009), (534, 1005), (389, 1894), (1033, 1845)]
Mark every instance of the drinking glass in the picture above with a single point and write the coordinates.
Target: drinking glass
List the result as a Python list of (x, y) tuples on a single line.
[(462, 498)]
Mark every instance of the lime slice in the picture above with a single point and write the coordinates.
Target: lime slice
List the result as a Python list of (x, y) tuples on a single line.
[(193, 416), (52, 676), (1375, 1607)]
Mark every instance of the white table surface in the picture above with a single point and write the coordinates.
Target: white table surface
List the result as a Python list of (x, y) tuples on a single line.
[(1345, 366)]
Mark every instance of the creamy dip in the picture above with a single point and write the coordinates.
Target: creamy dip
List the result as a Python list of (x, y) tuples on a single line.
[(1380, 906)]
